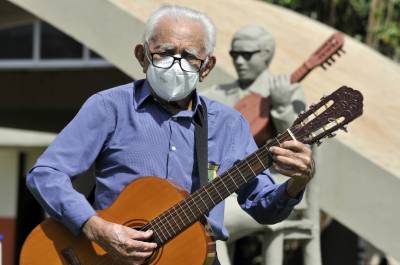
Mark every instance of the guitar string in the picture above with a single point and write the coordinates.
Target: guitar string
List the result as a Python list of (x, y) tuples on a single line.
[(166, 216), (170, 214), (253, 159), (262, 151)]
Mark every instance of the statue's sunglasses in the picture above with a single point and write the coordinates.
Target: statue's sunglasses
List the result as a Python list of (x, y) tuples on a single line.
[(244, 54)]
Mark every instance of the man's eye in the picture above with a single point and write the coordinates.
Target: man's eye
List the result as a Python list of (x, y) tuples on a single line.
[(190, 57), (159, 56)]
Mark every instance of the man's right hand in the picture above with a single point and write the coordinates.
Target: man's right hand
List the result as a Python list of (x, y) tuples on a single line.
[(281, 90), (122, 243)]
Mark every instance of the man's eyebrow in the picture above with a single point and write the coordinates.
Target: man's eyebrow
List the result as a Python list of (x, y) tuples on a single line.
[(192, 51), (165, 47), (171, 48)]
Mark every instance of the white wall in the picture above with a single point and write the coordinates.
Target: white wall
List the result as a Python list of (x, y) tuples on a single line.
[(360, 194)]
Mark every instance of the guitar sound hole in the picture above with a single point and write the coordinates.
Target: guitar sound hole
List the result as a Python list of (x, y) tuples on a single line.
[(137, 224)]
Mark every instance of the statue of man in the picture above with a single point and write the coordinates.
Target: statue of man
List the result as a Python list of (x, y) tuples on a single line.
[(252, 50)]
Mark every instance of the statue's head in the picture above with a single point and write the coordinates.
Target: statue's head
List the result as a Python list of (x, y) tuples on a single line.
[(252, 49)]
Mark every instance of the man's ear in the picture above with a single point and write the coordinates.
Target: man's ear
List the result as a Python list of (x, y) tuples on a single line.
[(207, 68), (141, 56)]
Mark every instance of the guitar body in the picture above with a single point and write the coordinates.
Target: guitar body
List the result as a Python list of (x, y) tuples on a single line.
[(141, 201), (255, 109)]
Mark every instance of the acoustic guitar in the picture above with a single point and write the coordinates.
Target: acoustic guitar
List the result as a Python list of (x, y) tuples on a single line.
[(255, 108), (177, 218)]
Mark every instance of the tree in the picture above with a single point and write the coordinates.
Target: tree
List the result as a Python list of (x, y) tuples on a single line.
[(375, 22)]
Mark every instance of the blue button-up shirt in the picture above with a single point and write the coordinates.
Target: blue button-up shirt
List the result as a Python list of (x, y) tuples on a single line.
[(127, 134)]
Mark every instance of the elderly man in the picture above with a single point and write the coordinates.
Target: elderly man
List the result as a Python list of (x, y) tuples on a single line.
[(146, 128)]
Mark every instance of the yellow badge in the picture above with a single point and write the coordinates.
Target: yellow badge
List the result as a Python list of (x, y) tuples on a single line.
[(212, 171)]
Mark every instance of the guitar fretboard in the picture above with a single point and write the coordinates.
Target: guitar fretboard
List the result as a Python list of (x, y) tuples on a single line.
[(170, 223), (300, 73)]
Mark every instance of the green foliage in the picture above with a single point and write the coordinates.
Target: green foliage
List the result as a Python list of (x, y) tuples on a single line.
[(375, 22)]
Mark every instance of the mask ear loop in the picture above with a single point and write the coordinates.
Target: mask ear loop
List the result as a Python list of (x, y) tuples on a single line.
[(204, 64), (146, 53)]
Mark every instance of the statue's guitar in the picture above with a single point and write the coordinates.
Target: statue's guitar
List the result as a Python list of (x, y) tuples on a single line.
[(255, 108), (174, 216)]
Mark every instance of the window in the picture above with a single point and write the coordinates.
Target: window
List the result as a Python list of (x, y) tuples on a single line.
[(40, 45), (57, 45), (16, 43)]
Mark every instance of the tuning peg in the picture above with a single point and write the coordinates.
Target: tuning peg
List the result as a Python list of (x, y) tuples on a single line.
[(323, 66), (341, 49), (332, 135), (332, 59), (329, 63), (344, 128), (318, 143)]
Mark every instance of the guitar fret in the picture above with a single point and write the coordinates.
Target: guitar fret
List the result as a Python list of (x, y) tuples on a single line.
[(250, 168), (209, 195), (201, 197), (233, 180), (223, 183), (173, 219), (241, 173), (215, 188), (171, 234), (260, 161), (188, 206), (174, 228), (164, 224), (156, 236), (184, 212), (195, 204), (160, 230)]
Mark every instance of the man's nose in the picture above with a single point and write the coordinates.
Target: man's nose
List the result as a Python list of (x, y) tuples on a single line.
[(240, 59)]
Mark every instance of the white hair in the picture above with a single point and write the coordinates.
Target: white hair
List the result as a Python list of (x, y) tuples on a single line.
[(259, 35), (177, 12)]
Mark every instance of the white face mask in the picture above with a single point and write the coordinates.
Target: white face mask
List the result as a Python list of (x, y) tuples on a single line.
[(171, 84)]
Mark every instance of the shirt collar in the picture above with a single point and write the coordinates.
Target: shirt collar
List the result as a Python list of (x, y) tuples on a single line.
[(142, 93)]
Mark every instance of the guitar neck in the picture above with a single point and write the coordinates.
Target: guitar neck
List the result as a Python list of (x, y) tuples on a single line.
[(300, 73), (170, 223), (333, 45)]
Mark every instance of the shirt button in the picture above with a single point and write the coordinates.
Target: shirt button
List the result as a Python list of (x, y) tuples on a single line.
[(173, 148)]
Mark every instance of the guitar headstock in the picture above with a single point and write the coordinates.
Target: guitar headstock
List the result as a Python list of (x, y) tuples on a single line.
[(333, 112), (324, 54)]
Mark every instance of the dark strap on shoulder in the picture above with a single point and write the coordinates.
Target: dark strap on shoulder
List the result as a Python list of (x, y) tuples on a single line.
[(201, 142)]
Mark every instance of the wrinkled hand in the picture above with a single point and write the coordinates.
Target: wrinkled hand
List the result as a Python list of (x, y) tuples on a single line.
[(124, 244), (293, 159), (280, 90)]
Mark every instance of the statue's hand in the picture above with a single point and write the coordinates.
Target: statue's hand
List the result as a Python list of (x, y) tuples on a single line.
[(280, 90)]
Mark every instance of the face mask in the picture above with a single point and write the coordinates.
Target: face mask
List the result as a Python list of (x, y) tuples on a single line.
[(171, 84)]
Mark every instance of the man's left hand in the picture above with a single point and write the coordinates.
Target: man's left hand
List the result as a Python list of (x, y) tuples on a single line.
[(293, 159)]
